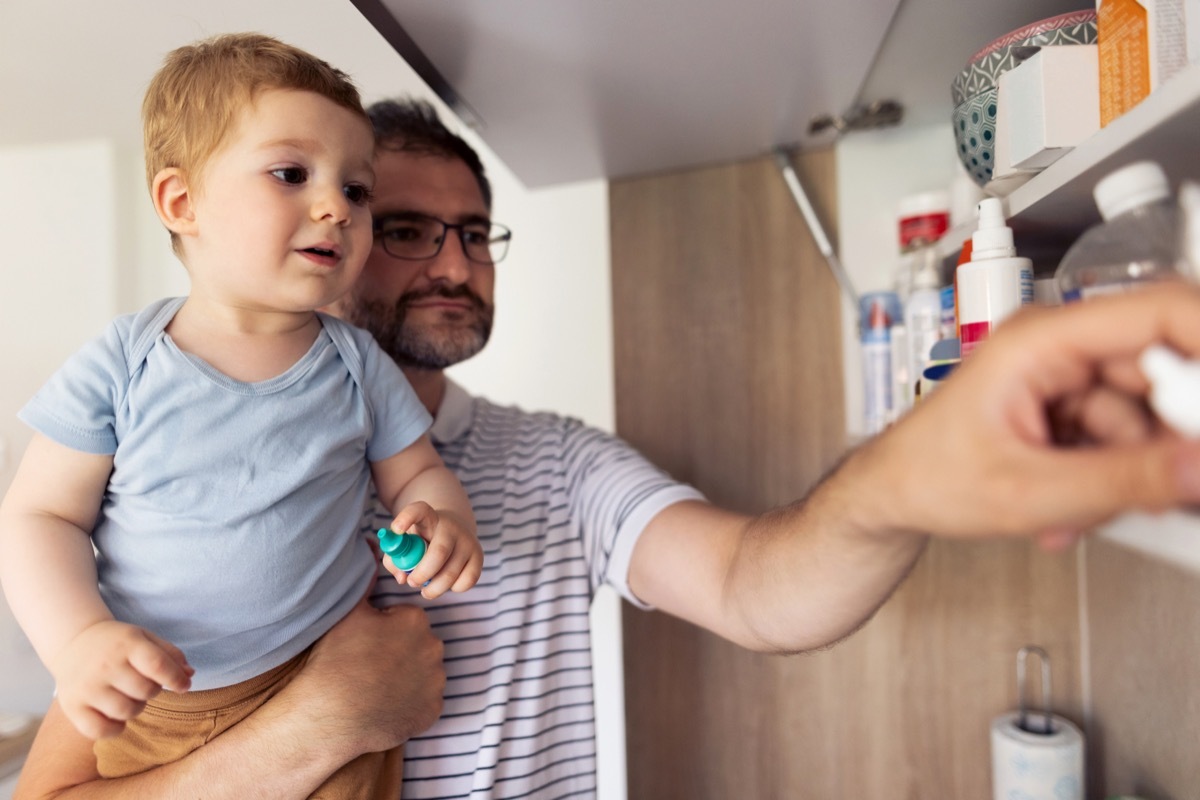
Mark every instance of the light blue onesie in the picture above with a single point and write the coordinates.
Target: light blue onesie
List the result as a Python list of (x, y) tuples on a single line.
[(230, 525)]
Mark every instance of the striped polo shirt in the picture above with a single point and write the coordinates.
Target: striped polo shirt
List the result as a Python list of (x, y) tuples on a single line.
[(559, 507)]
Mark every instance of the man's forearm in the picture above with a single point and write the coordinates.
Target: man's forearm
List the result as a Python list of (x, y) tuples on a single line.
[(812, 573), (266, 757), (794, 579)]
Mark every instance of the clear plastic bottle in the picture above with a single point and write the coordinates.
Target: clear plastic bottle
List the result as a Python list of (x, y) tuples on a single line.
[(1137, 241)]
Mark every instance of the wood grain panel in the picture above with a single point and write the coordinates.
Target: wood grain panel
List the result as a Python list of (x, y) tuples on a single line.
[(728, 362), (1145, 668)]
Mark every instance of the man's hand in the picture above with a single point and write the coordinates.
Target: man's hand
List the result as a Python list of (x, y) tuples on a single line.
[(1044, 429), (105, 675), (374, 681)]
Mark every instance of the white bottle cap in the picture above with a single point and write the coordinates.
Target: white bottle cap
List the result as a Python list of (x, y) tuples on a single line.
[(915, 205), (992, 238), (1135, 185)]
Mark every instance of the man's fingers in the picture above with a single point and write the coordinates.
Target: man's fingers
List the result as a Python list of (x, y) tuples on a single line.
[(1056, 541), (1113, 417), (1085, 487)]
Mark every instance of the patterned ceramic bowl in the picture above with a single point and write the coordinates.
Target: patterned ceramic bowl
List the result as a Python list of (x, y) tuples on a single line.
[(1001, 55), (975, 134)]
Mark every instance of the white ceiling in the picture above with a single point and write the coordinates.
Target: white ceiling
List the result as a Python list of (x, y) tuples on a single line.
[(571, 89), (562, 90)]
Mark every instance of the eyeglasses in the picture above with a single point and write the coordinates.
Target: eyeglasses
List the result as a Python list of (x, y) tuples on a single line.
[(419, 236)]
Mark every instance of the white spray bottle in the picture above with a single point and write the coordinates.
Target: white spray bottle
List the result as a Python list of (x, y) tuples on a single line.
[(995, 282)]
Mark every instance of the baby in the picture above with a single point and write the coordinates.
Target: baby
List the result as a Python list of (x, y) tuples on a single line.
[(217, 449)]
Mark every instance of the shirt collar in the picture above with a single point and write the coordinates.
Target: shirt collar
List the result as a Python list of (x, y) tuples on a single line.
[(453, 418)]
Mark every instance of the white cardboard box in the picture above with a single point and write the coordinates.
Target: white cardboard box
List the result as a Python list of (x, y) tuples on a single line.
[(1049, 103), (1005, 175)]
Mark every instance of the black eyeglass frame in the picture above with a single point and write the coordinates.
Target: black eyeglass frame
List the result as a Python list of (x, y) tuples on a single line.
[(497, 233)]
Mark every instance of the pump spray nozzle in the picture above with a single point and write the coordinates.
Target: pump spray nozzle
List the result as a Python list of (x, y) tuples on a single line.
[(992, 237)]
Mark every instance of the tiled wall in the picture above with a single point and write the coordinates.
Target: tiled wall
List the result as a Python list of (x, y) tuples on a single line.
[(1144, 629)]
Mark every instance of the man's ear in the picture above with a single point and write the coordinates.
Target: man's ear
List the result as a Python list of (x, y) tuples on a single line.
[(173, 201)]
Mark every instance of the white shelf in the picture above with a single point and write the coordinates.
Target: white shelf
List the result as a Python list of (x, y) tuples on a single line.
[(1173, 536), (1056, 205), (1162, 128)]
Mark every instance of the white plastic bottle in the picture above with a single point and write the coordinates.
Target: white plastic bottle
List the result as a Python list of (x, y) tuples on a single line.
[(923, 314), (995, 282), (1175, 388), (1175, 381), (877, 312), (1137, 241)]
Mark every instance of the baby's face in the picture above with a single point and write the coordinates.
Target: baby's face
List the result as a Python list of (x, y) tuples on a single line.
[(282, 217)]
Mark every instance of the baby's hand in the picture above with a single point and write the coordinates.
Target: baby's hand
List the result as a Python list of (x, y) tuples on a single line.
[(105, 675), (453, 559)]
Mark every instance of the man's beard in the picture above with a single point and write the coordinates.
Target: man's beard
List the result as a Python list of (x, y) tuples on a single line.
[(432, 347)]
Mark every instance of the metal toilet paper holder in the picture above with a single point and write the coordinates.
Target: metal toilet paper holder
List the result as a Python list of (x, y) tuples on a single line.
[(1022, 706)]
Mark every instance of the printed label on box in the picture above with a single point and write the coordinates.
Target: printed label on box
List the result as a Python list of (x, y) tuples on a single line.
[(1124, 41)]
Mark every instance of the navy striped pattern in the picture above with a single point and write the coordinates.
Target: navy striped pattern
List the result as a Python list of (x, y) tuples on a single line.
[(558, 507)]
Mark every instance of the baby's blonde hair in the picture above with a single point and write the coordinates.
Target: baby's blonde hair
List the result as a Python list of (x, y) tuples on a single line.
[(193, 100)]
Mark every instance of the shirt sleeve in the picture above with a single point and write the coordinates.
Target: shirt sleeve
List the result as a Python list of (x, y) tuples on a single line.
[(77, 406), (614, 492), (399, 417)]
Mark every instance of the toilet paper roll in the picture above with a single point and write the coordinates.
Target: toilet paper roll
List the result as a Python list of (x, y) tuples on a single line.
[(1036, 766)]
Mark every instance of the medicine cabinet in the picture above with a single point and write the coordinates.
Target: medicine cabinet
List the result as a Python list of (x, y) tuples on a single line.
[(1055, 206)]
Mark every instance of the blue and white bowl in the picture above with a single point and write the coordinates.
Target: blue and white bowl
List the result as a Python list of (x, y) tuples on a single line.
[(975, 134)]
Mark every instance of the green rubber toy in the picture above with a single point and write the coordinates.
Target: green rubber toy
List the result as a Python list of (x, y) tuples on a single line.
[(406, 549)]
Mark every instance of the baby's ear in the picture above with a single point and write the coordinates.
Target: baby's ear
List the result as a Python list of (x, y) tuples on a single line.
[(173, 201)]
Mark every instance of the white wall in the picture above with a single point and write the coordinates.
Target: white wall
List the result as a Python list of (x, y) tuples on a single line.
[(57, 224), (876, 169), (82, 244)]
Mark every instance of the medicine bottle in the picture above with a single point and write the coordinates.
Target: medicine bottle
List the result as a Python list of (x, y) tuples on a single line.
[(995, 283)]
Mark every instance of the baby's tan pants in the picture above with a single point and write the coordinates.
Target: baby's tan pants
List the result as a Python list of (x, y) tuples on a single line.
[(173, 725)]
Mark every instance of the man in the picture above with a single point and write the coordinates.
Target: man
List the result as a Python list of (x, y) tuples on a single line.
[(562, 507)]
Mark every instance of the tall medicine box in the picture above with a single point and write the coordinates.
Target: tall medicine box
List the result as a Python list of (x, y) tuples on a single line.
[(1142, 43)]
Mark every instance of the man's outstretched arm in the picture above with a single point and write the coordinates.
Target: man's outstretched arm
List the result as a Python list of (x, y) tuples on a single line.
[(993, 452)]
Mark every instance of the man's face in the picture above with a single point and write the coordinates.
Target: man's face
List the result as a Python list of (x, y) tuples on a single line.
[(433, 312)]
